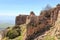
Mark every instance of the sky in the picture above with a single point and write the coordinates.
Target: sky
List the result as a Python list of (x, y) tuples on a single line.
[(9, 9)]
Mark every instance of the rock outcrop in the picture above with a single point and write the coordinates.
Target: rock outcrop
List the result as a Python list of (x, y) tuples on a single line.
[(21, 19), (38, 24)]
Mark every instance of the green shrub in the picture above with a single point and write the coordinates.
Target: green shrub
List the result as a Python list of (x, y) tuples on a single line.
[(12, 34), (17, 28), (32, 24)]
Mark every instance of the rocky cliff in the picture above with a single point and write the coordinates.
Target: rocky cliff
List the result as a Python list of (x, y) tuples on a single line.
[(32, 27), (38, 24), (53, 33)]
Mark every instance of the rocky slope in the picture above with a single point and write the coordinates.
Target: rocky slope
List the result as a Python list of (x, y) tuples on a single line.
[(32, 27), (53, 32)]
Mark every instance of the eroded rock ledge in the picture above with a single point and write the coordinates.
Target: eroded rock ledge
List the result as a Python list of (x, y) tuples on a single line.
[(38, 24)]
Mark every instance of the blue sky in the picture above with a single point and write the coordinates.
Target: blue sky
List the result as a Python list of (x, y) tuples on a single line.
[(9, 9)]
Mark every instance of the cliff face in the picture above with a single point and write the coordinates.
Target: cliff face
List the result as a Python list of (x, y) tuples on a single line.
[(53, 32), (56, 30), (50, 14), (38, 24), (21, 19)]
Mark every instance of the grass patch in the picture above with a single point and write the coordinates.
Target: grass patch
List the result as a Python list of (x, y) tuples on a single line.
[(48, 37)]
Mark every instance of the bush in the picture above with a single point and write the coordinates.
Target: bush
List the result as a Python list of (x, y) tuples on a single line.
[(32, 24), (12, 34)]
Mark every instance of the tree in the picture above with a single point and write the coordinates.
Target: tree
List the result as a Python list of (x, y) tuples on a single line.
[(47, 7)]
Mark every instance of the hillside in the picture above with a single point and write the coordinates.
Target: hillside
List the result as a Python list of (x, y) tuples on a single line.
[(53, 33), (15, 28), (32, 27)]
